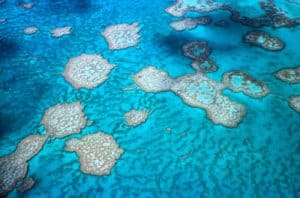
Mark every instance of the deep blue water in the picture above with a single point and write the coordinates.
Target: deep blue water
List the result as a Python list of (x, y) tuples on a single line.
[(259, 158)]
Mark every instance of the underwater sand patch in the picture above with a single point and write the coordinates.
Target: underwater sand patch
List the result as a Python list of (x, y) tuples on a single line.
[(136, 117), (62, 120), (294, 103), (30, 30), (98, 153), (263, 40), (190, 23), (61, 31), (289, 75), (195, 90), (239, 81), (87, 71), (13, 167), (122, 36)]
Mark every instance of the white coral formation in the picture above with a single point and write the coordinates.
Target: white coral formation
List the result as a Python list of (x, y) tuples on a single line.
[(264, 40), (294, 102), (151, 79), (181, 7), (97, 153), (196, 90), (13, 167), (64, 119), (189, 23), (289, 75), (61, 31), (30, 30), (122, 36), (135, 117), (239, 81), (199, 91), (87, 70)]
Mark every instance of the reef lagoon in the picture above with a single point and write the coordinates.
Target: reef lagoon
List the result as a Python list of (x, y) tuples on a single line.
[(139, 98)]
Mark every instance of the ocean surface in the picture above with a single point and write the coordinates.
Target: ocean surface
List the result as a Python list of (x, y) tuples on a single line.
[(197, 158)]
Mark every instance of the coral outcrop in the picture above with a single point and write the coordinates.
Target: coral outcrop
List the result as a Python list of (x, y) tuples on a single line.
[(122, 36), (97, 153), (87, 70), (64, 119), (13, 167)]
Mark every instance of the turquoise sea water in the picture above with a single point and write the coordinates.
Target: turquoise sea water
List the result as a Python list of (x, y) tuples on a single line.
[(259, 158)]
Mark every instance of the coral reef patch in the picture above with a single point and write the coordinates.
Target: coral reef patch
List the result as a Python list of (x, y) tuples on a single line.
[(97, 153), (87, 70), (122, 36), (13, 167), (62, 120)]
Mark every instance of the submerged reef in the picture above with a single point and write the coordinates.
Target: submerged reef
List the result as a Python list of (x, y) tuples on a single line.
[(289, 75), (25, 185), (2, 20), (28, 5), (190, 23), (273, 16), (122, 36), (64, 119), (97, 153), (294, 103), (30, 30), (239, 81), (264, 40), (13, 167), (87, 71), (200, 52), (136, 117), (196, 90), (61, 31)]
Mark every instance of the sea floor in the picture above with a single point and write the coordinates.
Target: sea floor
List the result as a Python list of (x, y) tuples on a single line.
[(178, 151)]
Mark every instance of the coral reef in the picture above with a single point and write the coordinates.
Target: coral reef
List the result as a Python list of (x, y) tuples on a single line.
[(136, 117), (64, 119), (181, 7), (151, 79), (87, 71), (25, 185), (97, 153), (122, 36), (61, 31), (30, 30), (13, 167), (264, 40), (289, 75), (239, 81), (273, 16), (195, 90), (190, 23), (294, 103), (200, 52)]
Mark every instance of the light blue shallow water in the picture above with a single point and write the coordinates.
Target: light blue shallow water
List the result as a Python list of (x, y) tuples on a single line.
[(259, 158)]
